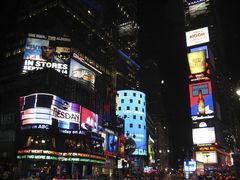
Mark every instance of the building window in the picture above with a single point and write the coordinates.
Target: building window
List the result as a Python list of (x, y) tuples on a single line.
[(140, 117), (139, 126), (122, 100), (140, 95), (131, 100), (139, 102), (136, 108), (125, 94), (134, 116), (131, 125), (134, 94), (125, 116), (119, 108), (142, 109), (128, 107)]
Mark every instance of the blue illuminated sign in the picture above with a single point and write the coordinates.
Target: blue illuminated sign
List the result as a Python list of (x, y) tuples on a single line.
[(131, 106)]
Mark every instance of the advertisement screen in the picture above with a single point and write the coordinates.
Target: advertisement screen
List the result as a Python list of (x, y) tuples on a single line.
[(203, 135), (89, 120), (194, 9), (197, 36), (197, 9), (40, 110), (201, 100), (36, 111), (81, 73), (197, 61), (46, 52), (190, 166), (112, 143), (207, 157), (66, 113), (205, 48), (131, 106)]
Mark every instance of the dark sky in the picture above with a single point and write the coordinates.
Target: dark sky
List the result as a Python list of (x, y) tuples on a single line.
[(162, 38)]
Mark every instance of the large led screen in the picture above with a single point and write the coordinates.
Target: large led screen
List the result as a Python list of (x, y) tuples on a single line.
[(190, 166), (199, 48), (203, 135), (46, 52), (207, 157), (40, 110), (89, 120), (81, 73), (201, 100), (66, 113), (112, 143), (194, 9), (198, 8), (131, 106), (48, 109), (197, 36), (197, 61), (36, 111)]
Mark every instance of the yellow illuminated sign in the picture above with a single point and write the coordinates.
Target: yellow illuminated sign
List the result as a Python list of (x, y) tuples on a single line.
[(197, 61)]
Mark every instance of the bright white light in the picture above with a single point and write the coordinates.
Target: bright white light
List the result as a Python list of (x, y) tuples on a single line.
[(238, 92), (162, 82)]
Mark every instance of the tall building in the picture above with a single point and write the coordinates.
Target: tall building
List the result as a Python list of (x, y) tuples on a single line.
[(214, 127), (94, 56)]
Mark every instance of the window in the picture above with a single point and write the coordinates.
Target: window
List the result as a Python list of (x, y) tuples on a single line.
[(134, 94), (134, 116), (131, 125), (140, 117), (139, 102), (119, 108), (125, 94), (125, 116), (136, 108), (131, 100), (128, 107), (122, 100), (139, 126), (142, 109), (140, 95)]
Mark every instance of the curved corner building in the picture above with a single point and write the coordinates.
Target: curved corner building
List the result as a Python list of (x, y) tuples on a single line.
[(131, 106)]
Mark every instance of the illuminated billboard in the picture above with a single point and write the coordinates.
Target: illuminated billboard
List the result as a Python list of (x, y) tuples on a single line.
[(197, 62), (112, 143), (199, 68), (207, 157), (40, 110), (194, 9), (197, 36), (89, 120), (66, 113), (81, 73), (46, 52), (190, 166), (131, 106), (203, 135), (199, 48), (201, 100), (36, 111)]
